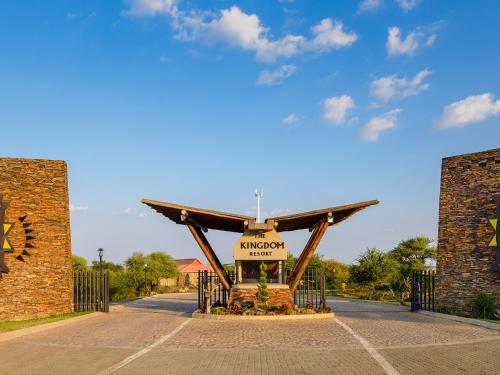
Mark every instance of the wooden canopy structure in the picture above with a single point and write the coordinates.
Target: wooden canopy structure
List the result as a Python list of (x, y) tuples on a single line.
[(199, 220)]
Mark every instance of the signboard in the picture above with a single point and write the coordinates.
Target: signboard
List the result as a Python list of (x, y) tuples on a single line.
[(261, 245)]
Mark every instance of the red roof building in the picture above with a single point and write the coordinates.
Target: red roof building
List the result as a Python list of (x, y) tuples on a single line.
[(192, 265)]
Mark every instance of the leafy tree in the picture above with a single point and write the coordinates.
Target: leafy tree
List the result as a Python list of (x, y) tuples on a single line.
[(335, 272), (414, 252), (409, 255), (316, 261), (107, 266), (229, 268), (161, 265), (373, 266), (262, 293), (79, 263), (290, 261)]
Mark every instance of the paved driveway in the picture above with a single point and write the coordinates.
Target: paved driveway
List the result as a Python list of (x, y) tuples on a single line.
[(156, 336)]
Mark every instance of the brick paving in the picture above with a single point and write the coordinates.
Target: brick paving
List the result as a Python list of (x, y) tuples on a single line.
[(411, 343)]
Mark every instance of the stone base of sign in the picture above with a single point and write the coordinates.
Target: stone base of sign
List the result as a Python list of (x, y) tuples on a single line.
[(198, 315), (279, 294)]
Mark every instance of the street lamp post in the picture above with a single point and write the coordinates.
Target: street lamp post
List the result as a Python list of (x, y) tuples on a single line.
[(100, 251), (145, 279)]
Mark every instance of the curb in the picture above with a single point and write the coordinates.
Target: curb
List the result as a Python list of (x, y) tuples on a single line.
[(44, 327), (263, 317), (476, 322)]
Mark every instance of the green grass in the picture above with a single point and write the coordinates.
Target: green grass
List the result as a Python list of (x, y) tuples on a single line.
[(12, 325), (492, 321)]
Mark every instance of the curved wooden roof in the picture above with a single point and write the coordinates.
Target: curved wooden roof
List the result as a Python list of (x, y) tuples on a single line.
[(236, 223)]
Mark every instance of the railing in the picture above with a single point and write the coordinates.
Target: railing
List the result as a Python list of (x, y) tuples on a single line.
[(311, 289), (90, 291), (423, 290), (208, 281), (309, 293)]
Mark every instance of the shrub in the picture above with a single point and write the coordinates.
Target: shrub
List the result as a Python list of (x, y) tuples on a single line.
[(262, 293), (218, 310), (448, 309), (484, 305)]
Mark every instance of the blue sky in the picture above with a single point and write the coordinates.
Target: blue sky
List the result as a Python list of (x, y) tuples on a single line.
[(318, 103)]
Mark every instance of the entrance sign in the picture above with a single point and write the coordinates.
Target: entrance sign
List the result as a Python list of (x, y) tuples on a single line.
[(260, 245)]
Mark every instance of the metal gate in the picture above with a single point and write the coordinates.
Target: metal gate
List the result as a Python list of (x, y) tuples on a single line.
[(90, 291), (209, 281), (311, 289), (309, 293), (423, 290)]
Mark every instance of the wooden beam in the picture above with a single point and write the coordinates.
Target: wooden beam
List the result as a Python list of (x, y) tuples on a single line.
[(209, 254), (306, 255)]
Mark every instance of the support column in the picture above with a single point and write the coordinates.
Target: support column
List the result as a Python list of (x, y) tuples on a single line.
[(306, 255), (209, 254)]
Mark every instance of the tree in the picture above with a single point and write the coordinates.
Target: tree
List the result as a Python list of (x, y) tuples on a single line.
[(290, 261), (79, 263), (262, 293), (161, 266), (106, 266), (409, 255), (372, 267), (414, 252), (335, 273), (316, 261)]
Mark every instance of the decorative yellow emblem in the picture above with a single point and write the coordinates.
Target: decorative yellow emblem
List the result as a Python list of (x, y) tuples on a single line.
[(494, 223), (6, 246)]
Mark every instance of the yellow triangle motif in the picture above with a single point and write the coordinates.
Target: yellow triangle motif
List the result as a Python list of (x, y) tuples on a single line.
[(494, 223), (6, 244)]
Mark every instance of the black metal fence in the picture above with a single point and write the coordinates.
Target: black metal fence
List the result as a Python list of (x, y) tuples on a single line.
[(311, 289), (309, 293), (423, 290), (90, 291), (208, 281)]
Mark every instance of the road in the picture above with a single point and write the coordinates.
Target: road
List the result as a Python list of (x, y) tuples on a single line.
[(157, 336)]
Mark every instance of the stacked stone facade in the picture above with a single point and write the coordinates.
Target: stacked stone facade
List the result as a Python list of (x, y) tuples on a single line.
[(39, 281), (277, 296), (466, 264)]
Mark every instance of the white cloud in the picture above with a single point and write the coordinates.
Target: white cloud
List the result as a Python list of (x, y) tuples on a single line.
[(239, 29), (331, 35), (139, 8), (74, 208), (397, 46), (292, 118), (130, 211), (368, 5), (336, 109), (407, 5), (421, 36), (388, 87), (277, 76), (371, 130), (468, 111)]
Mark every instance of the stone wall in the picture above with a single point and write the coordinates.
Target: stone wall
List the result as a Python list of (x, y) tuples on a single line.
[(39, 281), (466, 264), (277, 296)]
